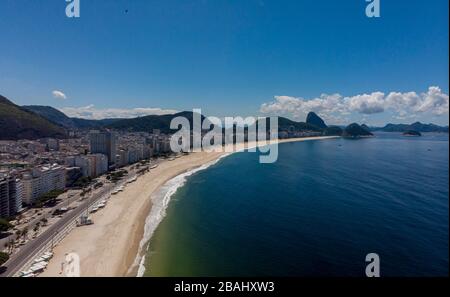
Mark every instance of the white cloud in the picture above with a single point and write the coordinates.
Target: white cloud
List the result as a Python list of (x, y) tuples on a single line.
[(59, 95), (401, 101), (434, 101), (298, 107), (334, 107), (90, 112), (366, 103)]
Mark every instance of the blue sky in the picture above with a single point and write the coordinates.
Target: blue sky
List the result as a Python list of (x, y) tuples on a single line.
[(230, 57)]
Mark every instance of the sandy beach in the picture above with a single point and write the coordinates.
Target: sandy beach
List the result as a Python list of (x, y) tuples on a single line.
[(109, 246)]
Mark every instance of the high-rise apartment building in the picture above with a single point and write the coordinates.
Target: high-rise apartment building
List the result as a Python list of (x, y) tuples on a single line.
[(103, 142), (11, 195)]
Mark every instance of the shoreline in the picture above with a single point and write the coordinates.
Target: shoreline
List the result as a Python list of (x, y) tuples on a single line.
[(115, 244), (163, 195)]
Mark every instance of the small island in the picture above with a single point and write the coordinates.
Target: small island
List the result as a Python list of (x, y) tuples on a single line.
[(412, 133), (356, 131)]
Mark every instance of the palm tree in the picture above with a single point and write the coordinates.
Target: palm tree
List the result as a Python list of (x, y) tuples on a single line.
[(11, 246), (3, 258), (25, 232)]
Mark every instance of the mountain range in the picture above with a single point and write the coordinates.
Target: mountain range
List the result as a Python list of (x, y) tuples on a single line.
[(146, 123), (59, 118), (417, 126), (34, 121)]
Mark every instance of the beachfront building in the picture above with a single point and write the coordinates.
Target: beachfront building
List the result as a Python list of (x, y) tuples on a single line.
[(165, 145), (99, 164), (72, 175), (147, 151), (11, 192), (158, 144), (4, 198), (122, 158), (42, 180), (135, 153), (17, 207), (82, 162), (103, 142), (91, 165)]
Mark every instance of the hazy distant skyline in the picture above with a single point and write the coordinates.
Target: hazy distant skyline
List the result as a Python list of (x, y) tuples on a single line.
[(254, 57)]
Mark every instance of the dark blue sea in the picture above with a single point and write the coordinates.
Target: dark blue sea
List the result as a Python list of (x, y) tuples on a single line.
[(318, 211)]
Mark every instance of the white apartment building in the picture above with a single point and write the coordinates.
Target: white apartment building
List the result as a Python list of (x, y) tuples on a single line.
[(99, 164), (41, 181), (91, 165), (83, 162), (122, 158), (19, 195)]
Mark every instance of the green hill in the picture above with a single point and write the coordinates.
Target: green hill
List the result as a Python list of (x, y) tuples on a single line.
[(412, 133), (355, 131), (51, 114), (59, 118), (333, 131), (287, 125), (19, 123), (150, 122), (314, 119)]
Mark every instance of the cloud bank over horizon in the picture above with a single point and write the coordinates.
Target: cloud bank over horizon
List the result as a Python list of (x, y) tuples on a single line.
[(90, 112), (338, 109), (376, 108)]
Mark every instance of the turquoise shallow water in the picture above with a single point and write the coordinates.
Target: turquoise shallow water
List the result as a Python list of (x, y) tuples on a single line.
[(317, 211)]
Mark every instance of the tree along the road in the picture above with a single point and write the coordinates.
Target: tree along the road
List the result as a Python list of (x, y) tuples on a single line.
[(3, 258), (4, 225)]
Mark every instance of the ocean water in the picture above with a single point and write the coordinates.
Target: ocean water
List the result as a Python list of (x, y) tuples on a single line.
[(318, 211)]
